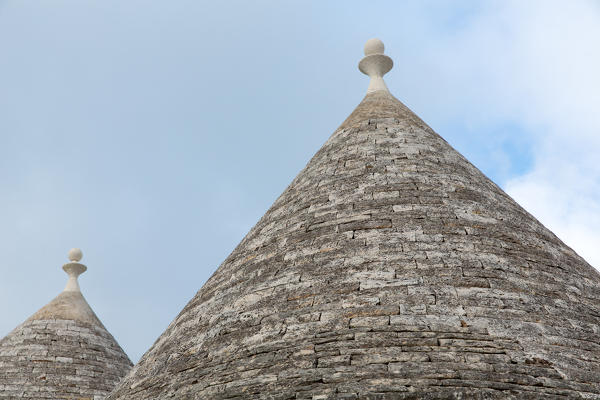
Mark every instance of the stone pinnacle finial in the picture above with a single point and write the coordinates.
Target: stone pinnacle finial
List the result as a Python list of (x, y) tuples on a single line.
[(375, 64), (74, 269)]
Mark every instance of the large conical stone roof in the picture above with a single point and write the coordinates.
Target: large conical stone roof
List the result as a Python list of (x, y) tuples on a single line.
[(62, 351), (390, 268)]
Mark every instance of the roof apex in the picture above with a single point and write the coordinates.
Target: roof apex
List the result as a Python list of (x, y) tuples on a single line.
[(69, 305)]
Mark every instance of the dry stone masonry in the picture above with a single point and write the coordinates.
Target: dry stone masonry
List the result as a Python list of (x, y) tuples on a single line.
[(390, 268), (63, 351)]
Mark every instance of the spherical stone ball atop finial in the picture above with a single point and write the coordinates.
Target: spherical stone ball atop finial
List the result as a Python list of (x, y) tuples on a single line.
[(75, 255), (374, 46)]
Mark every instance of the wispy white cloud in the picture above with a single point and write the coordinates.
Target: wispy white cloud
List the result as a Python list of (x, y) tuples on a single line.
[(559, 98), (537, 66), (564, 204)]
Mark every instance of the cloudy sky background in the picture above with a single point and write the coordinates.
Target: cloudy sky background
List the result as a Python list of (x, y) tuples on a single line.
[(153, 135)]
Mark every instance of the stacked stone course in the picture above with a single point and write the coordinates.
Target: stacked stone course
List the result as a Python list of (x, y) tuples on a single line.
[(60, 359)]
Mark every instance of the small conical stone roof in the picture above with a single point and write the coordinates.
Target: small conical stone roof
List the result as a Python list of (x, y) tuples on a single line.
[(62, 351), (390, 268)]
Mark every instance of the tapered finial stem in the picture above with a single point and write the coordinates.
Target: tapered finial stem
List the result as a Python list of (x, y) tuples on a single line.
[(375, 64)]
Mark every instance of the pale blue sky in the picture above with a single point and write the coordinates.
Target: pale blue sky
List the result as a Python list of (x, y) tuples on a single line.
[(153, 135)]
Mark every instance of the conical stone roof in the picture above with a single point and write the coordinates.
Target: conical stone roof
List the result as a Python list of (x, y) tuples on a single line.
[(390, 268), (62, 351)]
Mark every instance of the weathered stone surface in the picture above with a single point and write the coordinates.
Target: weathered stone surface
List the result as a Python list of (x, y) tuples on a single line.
[(62, 352), (390, 268)]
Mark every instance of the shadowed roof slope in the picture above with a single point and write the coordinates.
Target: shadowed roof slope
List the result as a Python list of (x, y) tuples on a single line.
[(62, 351), (390, 268)]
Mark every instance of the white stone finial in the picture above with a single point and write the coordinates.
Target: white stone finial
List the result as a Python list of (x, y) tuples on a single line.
[(375, 64), (74, 269), (75, 255)]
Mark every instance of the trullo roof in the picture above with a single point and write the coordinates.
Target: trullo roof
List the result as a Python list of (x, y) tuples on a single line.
[(62, 351), (390, 268)]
